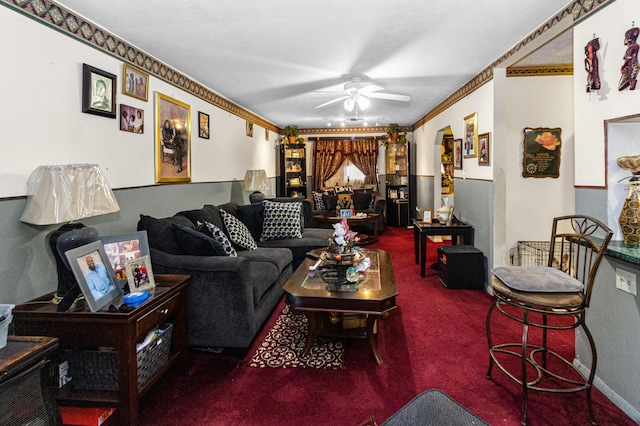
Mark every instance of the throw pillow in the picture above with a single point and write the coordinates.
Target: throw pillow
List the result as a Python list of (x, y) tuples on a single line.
[(238, 232), (317, 200), (195, 243), (220, 236), (252, 215), (361, 200), (330, 202), (281, 220)]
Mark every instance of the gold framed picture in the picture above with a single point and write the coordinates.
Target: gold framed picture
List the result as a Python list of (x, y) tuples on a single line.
[(135, 83), (427, 216), (294, 181), (173, 140), (483, 149), (470, 135)]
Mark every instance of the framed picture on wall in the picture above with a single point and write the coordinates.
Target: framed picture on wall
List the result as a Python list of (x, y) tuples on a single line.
[(541, 152), (457, 154), (483, 149), (173, 140), (203, 125), (249, 129), (131, 119), (98, 92), (135, 83), (470, 135)]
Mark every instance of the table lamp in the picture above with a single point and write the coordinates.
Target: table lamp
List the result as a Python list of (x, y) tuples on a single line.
[(256, 181), (62, 194)]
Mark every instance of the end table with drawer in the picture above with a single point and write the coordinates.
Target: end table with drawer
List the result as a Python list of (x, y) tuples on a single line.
[(119, 330)]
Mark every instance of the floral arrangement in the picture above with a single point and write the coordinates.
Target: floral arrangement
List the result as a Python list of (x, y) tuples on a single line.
[(343, 240)]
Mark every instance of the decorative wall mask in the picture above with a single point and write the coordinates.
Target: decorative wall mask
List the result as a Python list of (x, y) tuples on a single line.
[(631, 66), (591, 64)]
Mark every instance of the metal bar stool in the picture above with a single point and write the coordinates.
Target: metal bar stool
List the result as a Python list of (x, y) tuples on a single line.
[(552, 297)]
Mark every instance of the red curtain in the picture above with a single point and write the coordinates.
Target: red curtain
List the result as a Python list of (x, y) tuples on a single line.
[(328, 156)]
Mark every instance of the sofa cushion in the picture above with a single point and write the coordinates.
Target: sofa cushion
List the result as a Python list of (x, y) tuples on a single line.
[(160, 234), (317, 201), (218, 235), (208, 213), (195, 243), (279, 257), (252, 215), (238, 232), (282, 220), (330, 202), (362, 200)]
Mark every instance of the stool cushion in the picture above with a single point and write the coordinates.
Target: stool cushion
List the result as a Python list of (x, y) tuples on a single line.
[(538, 279)]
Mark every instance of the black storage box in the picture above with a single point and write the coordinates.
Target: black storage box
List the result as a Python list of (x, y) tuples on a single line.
[(461, 267)]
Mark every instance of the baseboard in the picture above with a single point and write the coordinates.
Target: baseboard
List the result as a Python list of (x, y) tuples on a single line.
[(620, 402)]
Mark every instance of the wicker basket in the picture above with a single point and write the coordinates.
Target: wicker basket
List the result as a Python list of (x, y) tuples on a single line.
[(98, 370)]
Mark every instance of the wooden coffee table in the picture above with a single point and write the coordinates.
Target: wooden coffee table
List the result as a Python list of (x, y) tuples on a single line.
[(344, 314), (370, 219)]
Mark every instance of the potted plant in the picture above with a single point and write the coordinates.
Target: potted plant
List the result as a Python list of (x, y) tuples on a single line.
[(292, 133), (394, 133)]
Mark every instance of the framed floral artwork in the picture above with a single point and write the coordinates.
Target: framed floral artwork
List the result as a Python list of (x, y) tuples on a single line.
[(542, 147)]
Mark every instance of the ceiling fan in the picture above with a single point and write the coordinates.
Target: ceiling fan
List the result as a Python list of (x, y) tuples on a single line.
[(359, 92)]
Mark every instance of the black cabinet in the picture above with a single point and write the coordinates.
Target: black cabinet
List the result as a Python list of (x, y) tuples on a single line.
[(461, 267), (293, 170), (397, 183)]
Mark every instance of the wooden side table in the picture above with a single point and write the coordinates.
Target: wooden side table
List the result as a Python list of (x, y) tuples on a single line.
[(25, 397), (90, 330)]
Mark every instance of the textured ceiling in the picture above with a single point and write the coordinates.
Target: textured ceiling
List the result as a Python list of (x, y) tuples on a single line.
[(281, 58)]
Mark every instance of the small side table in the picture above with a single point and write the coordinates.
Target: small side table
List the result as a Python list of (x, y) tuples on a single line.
[(461, 267), (25, 397)]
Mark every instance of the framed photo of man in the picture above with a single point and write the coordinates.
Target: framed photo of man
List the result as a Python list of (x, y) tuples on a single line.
[(94, 274), (98, 92), (135, 83), (457, 154), (173, 140)]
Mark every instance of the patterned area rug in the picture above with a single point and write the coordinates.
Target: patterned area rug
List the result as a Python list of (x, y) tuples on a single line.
[(284, 344)]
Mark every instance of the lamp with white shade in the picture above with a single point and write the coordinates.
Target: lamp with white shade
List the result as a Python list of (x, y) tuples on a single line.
[(62, 194), (256, 181)]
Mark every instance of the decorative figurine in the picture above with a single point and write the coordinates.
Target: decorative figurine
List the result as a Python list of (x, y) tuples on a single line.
[(591, 64), (631, 66)]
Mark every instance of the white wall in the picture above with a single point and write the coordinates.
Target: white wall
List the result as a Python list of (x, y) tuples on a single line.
[(43, 124), (532, 203), (591, 109)]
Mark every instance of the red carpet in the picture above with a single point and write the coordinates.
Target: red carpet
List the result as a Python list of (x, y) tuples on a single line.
[(435, 340)]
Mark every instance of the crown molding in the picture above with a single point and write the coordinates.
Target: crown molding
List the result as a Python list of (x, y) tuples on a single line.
[(543, 70), (66, 22), (349, 130), (577, 10)]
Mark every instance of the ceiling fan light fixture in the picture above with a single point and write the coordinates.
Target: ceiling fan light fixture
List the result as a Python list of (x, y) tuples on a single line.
[(349, 104), (363, 102)]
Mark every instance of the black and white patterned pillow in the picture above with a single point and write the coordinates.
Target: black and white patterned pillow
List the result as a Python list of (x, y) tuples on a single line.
[(281, 220), (218, 234), (238, 232), (318, 201)]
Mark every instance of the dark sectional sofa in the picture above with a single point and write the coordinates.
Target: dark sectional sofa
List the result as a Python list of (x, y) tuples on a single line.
[(230, 297)]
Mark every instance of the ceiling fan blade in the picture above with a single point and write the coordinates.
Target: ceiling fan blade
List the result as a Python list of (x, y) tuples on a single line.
[(390, 96), (370, 88), (332, 101)]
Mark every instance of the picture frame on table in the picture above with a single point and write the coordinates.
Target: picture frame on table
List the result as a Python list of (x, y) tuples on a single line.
[(94, 274), (173, 140), (122, 248), (457, 154), (135, 83), (203, 125), (140, 274), (98, 92), (427, 216), (345, 213), (484, 149), (470, 146)]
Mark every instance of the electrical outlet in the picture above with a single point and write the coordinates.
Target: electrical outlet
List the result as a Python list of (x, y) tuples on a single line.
[(626, 281)]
